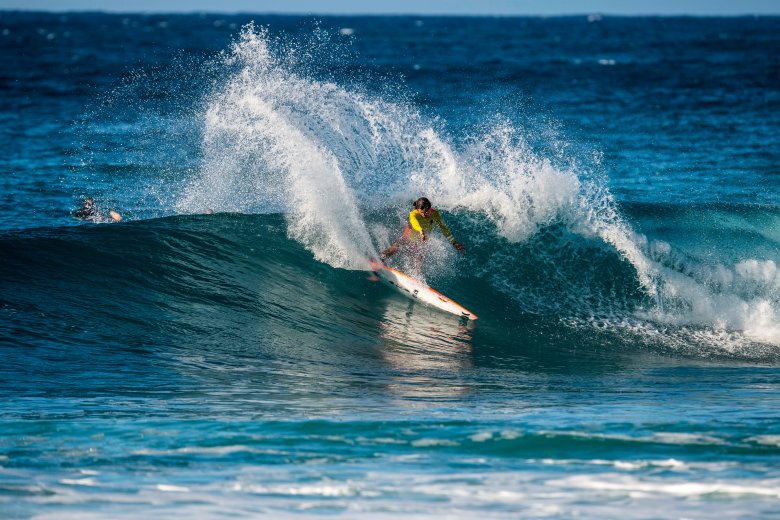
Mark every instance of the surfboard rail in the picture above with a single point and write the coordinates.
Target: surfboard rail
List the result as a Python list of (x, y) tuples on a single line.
[(420, 291)]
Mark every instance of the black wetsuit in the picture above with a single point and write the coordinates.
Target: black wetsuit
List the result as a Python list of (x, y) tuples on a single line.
[(88, 213)]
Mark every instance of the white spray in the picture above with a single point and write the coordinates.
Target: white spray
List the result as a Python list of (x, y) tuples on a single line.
[(275, 140)]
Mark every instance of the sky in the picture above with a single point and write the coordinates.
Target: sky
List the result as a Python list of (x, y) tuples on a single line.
[(424, 7)]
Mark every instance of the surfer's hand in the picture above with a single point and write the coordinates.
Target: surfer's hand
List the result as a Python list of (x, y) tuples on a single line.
[(422, 234), (459, 247)]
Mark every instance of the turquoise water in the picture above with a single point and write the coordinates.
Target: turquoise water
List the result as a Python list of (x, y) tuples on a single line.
[(615, 185)]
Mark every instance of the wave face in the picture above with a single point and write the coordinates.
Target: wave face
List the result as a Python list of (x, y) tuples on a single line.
[(246, 265)]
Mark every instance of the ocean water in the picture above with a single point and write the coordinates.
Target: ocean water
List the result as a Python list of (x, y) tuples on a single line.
[(222, 352)]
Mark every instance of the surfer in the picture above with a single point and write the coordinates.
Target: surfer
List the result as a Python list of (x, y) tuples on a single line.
[(421, 221), (90, 212)]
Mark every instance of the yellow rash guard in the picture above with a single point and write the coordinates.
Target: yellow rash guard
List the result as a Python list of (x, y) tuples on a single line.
[(419, 224)]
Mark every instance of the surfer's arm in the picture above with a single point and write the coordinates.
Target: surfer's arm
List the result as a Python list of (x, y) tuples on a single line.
[(446, 231)]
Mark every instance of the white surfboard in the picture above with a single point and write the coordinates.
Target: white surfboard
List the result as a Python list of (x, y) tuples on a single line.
[(417, 290)]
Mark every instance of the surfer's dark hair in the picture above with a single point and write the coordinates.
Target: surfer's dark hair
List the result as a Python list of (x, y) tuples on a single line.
[(422, 203)]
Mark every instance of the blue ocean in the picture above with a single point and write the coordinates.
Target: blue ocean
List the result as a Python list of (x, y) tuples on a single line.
[(223, 351)]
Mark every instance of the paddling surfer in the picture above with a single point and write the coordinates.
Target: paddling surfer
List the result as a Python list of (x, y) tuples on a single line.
[(89, 211)]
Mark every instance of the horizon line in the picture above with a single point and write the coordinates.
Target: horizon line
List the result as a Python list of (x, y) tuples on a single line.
[(392, 14)]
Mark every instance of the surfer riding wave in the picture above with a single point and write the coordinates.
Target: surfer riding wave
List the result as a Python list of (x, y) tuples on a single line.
[(422, 219)]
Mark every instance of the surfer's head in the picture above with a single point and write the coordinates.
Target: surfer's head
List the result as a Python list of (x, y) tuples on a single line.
[(89, 202), (423, 205)]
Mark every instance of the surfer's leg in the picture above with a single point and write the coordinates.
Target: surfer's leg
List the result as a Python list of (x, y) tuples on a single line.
[(417, 254), (390, 251)]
